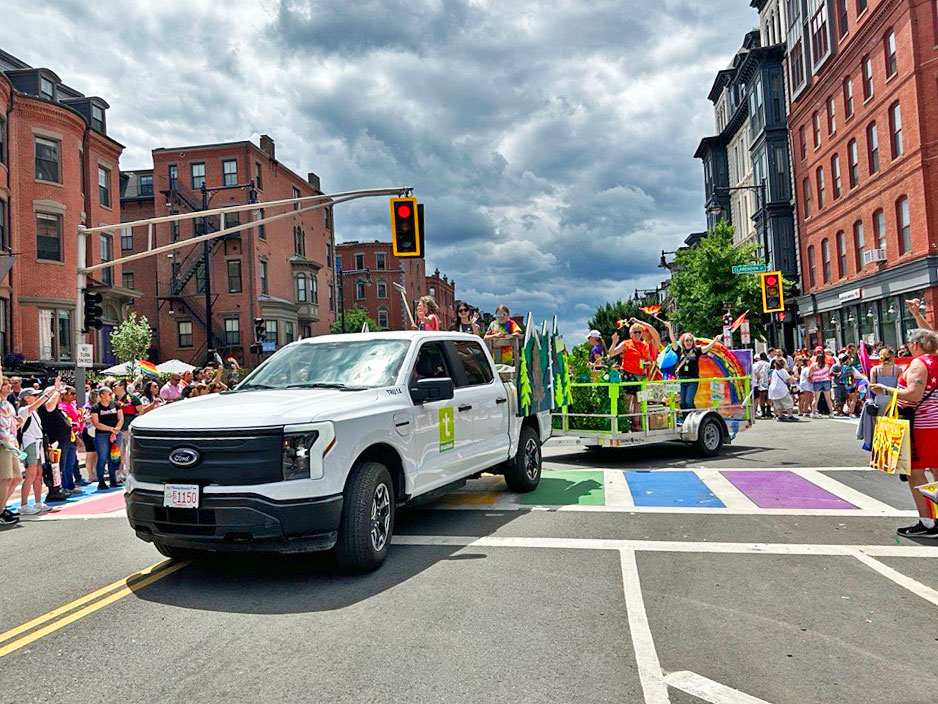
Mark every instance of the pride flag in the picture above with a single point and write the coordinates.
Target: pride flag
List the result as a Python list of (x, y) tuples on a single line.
[(115, 452), (651, 310), (147, 368), (739, 321)]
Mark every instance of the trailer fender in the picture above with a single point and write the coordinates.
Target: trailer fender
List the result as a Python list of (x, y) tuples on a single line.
[(695, 420)]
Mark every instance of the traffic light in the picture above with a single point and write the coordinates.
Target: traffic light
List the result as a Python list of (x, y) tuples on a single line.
[(773, 296), (405, 228), (93, 310), (260, 330)]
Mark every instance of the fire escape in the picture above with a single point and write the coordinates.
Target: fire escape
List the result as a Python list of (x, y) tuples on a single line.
[(178, 293)]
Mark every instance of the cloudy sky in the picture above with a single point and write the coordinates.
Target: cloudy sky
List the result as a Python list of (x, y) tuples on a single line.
[(551, 142)]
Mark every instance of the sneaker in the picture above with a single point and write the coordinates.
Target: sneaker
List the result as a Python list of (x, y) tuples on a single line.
[(29, 511), (792, 419), (102, 486), (82, 482), (8, 518), (44, 507), (918, 531), (57, 496), (116, 485)]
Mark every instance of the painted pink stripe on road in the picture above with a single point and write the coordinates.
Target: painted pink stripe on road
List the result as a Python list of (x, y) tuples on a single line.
[(98, 504), (783, 490)]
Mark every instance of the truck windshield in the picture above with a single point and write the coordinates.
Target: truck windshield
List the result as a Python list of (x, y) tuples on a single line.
[(353, 365)]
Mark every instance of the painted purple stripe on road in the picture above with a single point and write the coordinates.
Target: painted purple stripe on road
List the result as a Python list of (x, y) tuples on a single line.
[(783, 490)]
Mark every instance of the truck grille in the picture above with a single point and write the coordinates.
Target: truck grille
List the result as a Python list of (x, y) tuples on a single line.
[(249, 456)]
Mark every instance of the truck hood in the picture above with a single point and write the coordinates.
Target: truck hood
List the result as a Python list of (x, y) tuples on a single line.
[(254, 409)]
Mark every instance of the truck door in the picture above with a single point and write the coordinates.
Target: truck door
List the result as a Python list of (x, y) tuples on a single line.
[(441, 434), (483, 399)]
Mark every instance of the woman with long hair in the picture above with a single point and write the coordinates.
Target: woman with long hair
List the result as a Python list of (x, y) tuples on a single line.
[(820, 373), (427, 314)]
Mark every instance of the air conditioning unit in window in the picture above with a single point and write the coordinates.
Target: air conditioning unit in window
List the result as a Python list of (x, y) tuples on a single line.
[(874, 255)]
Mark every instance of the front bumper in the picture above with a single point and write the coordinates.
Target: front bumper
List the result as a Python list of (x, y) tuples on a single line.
[(237, 522)]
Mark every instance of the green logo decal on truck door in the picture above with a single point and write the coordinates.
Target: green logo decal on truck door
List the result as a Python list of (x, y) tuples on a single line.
[(447, 429)]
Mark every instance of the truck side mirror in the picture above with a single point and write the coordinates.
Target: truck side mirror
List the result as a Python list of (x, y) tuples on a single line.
[(432, 390)]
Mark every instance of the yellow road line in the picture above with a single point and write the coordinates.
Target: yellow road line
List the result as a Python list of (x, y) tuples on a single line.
[(124, 588)]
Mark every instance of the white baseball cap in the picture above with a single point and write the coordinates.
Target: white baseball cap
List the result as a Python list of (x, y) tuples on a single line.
[(594, 333)]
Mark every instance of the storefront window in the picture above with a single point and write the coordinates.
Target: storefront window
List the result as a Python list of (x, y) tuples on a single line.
[(829, 329), (868, 322), (908, 322), (890, 332)]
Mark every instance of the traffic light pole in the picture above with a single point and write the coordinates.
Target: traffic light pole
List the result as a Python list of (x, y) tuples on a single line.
[(81, 280)]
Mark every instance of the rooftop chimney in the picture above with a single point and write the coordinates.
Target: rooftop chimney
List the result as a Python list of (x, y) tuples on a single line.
[(313, 180), (267, 146)]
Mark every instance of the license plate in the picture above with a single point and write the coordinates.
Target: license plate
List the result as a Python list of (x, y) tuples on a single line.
[(181, 495)]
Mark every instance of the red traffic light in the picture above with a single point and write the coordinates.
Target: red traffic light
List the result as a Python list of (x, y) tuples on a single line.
[(770, 280), (781, 317), (403, 211)]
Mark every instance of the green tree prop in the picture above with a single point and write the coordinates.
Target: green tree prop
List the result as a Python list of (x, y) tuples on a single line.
[(354, 319), (524, 381), (703, 282), (130, 340)]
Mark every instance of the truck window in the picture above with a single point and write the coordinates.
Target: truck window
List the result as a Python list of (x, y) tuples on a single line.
[(474, 361), (431, 362)]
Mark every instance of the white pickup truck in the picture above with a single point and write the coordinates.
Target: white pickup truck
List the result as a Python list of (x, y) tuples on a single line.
[(321, 443)]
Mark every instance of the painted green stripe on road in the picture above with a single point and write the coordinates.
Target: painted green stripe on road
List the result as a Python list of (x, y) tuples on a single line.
[(562, 488)]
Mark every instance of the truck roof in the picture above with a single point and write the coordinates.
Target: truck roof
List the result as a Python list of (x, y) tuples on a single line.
[(388, 335)]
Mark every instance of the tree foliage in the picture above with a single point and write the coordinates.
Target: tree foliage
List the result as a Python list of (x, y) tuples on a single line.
[(130, 340), (703, 283), (607, 315), (354, 319)]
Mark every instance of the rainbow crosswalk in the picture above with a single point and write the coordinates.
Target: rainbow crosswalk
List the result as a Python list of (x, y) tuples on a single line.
[(797, 491)]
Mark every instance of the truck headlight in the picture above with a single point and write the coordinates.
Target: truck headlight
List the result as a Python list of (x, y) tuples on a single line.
[(296, 452), (303, 448)]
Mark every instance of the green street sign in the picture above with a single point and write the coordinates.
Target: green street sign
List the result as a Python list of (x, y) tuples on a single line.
[(750, 268)]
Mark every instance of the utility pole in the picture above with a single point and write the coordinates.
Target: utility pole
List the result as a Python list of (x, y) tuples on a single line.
[(207, 269)]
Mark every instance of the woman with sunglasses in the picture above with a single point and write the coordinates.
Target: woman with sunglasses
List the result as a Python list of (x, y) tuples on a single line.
[(465, 323), (639, 351)]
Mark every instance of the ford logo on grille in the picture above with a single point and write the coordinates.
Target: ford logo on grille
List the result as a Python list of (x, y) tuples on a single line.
[(184, 457)]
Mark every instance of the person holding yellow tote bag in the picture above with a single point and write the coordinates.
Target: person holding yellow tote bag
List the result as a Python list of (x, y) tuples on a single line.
[(892, 441), (916, 397)]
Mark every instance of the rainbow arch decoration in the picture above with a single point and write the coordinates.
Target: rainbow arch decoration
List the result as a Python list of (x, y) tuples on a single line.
[(719, 366)]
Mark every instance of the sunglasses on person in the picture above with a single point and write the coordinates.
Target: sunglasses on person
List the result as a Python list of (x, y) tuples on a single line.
[(462, 310), (635, 332)]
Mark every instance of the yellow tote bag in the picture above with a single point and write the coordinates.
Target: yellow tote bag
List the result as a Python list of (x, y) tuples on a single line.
[(892, 447)]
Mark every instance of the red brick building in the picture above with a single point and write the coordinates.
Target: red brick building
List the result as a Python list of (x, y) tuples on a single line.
[(281, 272), (864, 128), (370, 270), (58, 170)]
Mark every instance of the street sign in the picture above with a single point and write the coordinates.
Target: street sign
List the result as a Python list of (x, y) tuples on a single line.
[(750, 268), (85, 355), (728, 336), (744, 333), (268, 346)]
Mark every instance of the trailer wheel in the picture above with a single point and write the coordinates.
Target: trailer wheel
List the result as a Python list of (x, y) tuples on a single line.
[(367, 518), (523, 473), (709, 438)]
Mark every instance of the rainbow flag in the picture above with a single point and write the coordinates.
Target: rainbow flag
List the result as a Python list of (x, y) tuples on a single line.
[(147, 368), (115, 452), (651, 310)]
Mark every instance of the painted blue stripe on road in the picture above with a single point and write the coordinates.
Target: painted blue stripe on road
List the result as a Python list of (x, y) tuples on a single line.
[(670, 489)]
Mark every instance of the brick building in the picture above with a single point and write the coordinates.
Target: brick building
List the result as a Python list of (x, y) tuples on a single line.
[(281, 272), (369, 272), (864, 130), (58, 170)]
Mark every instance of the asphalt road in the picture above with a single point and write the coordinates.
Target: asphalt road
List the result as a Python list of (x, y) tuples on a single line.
[(588, 593)]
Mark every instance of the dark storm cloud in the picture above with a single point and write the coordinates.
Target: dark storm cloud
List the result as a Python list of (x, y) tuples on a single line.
[(551, 142)]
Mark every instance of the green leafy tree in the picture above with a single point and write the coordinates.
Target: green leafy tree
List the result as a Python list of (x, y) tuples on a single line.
[(607, 315), (703, 283), (130, 340), (354, 319)]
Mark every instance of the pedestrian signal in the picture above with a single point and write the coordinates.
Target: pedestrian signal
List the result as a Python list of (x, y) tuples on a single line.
[(405, 228), (91, 302), (773, 296), (260, 330)]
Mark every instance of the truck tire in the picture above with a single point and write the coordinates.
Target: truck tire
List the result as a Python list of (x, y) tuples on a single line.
[(709, 437), (523, 473), (367, 518), (176, 553)]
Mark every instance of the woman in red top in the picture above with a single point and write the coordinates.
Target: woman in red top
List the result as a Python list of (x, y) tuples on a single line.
[(918, 390), (638, 352)]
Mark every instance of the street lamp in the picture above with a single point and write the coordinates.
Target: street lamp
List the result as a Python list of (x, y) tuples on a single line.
[(663, 264)]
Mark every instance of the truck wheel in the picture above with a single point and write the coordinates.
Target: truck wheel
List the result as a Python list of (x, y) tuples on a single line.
[(523, 473), (367, 518), (709, 438), (176, 553)]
